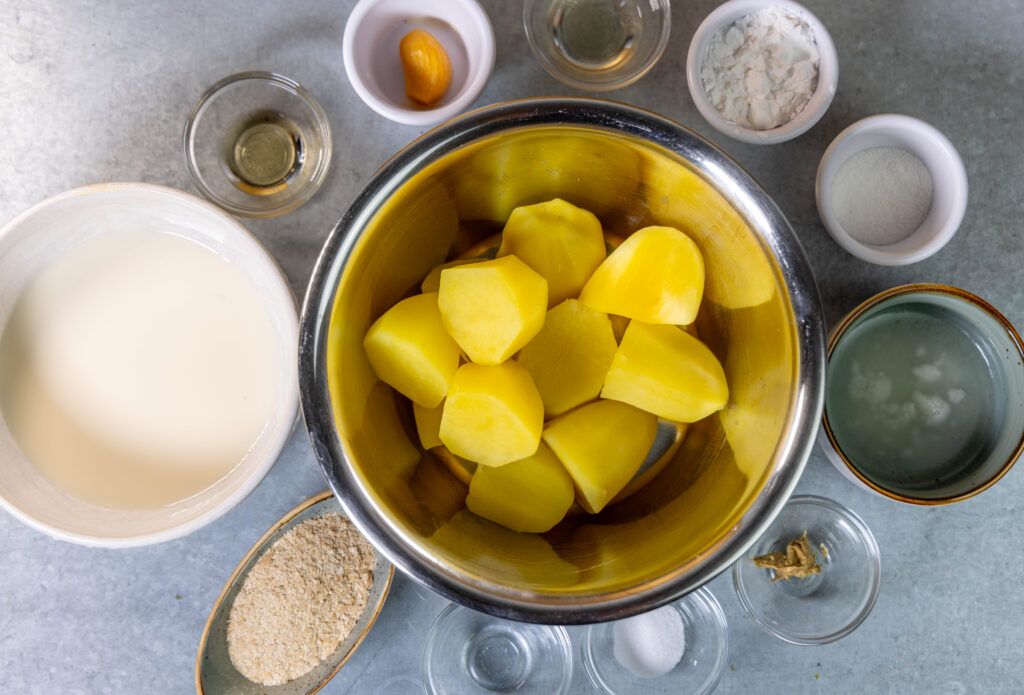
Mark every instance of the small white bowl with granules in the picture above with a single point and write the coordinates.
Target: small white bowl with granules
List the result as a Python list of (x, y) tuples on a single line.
[(296, 607), (891, 190), (761, 71)]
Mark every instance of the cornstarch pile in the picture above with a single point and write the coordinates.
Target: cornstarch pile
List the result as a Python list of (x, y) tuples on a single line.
[(761, 70), (882, 195), (300, 600)]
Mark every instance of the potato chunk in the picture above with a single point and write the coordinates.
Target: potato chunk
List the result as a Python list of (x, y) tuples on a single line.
[(656, 275), (492, 308), (432, 282), (410, 350), (666, 371), (428, 424), (570, 357), (530, 495), (602, 445), (493, 415), (560, 241)]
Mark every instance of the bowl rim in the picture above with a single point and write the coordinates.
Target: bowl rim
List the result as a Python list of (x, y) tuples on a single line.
[(480, 68), (233, 578), (601, 115), (292, 388), (821, 98), (894, 125), (323, 125), (600, 83), (848, 469)]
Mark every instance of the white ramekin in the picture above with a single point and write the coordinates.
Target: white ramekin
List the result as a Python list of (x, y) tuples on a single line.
[(821, 99), (370, 46), (949, 178)]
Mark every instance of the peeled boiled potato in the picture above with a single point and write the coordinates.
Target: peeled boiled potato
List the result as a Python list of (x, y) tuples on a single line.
[(492, 308), (410, 350), (666, 371), (530, 495), (428, 424), (493, 415), (602, 445), (569, 358), (560, 241), (656, 275), (432, 282)]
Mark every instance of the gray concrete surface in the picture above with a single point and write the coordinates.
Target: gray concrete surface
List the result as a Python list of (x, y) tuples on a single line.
[(99, 90)]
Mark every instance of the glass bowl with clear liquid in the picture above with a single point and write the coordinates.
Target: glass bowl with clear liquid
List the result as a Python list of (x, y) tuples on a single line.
[(597, 44), (924, 397), (257, 144)]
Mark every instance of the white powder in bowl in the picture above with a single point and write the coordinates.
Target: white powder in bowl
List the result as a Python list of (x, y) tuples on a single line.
[(650, 644), (761, 70), (882, 195)]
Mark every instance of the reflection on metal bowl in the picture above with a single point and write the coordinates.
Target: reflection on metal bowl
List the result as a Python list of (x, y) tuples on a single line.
[(761, 316)]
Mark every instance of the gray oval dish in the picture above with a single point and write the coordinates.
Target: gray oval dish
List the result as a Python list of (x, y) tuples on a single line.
[(216, 675)]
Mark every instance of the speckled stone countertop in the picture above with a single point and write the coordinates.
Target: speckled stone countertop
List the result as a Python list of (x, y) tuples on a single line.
[(99, 90)]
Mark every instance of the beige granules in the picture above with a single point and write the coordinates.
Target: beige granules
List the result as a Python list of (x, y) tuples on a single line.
[(300, 600)]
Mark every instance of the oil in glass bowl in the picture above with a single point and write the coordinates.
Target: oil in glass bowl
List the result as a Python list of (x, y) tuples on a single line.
[(595, 34), (597, 44), (265, 156), (257, 144)]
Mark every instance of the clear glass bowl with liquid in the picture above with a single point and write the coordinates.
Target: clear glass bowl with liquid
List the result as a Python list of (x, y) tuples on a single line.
[(597, 44), (257, 144)]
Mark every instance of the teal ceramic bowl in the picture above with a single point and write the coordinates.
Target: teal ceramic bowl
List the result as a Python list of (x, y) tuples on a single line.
[(960, 464)]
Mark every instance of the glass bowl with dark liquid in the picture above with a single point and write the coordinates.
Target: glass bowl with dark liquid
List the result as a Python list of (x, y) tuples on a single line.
[(597, 44), (257, 144)]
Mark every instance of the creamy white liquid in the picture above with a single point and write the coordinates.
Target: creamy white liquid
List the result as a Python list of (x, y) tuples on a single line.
[(137, 369)]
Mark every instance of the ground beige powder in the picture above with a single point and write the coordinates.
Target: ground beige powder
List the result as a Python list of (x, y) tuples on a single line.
[(300, 600)]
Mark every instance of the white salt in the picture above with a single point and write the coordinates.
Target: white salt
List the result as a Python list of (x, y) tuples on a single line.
[(650, 644), (882, 195)]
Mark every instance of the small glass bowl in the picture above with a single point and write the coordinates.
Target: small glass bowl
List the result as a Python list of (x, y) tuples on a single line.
[(705, 654), (597, 44), (236, 105), (471, 653), (824, 607)]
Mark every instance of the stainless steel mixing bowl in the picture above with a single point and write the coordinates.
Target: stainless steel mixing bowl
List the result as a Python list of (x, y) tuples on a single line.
[(720, 487)]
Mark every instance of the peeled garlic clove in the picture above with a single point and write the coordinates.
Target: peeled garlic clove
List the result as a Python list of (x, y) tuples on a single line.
[(427, 68)]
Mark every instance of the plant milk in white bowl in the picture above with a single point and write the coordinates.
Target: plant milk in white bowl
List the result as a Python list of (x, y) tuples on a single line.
[(146, 364)]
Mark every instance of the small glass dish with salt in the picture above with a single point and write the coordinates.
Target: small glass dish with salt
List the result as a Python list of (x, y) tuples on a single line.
[(891, 190), (339, 585), (678, 649)]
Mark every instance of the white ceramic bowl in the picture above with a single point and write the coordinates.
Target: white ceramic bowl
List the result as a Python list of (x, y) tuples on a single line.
[(821, 99), (370, 46), (46, 231), (949, 199)]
